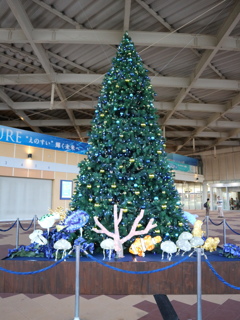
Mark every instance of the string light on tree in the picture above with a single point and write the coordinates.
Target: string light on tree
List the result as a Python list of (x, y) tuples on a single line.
[(127, 163)]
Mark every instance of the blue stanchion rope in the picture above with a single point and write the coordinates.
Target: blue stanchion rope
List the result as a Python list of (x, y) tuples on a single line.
[(9, 228), (232, 229), (219, 277), (26, 228), (216, 224), (136, 272), (34, 272)]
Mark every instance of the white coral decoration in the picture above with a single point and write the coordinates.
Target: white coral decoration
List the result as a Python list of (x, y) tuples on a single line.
[(62, 244), (107, 244), (169, 247), (37, 237), (183, 245), (196, 242), (185, 236)]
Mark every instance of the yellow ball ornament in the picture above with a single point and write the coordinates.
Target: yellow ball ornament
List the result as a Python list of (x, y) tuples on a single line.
[(180, 224), (137, 192), (143, 124), (159, 151), (113, 186), (89, 186), (131, 160), (151, 175)]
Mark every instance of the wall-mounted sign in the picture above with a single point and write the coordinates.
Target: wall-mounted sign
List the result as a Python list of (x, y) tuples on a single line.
[(66, 189)]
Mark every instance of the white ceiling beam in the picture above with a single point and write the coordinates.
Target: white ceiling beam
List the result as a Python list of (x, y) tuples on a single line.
[(114, 37), (96, 79), (87, 122), (21, 114), (156, 15), (127, 12), (170, 134), (229, 107), (58, 13), (224, 31), (202, 134), (25, 23), (91, 105), (73, 64), (207, 57), (199, 143)]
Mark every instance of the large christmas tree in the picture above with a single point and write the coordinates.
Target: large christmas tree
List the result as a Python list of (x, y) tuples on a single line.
[(126, 163)]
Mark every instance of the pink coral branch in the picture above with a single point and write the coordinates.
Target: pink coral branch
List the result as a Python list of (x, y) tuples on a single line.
[(117, 219), (133, 231), (102, 228), (116, 236)]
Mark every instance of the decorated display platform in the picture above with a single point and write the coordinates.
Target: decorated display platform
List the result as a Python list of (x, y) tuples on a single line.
[(97, 279)]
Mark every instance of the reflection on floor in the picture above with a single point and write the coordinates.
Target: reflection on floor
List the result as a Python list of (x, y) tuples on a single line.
[(115, 307)]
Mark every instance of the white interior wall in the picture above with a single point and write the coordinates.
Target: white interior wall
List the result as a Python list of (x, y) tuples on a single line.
[(23, 198), (223, 167)]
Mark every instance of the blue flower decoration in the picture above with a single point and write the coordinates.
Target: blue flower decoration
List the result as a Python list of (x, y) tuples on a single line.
[(230, 251)]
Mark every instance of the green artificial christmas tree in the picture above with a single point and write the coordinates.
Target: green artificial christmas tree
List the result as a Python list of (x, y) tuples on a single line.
[(127, 163)]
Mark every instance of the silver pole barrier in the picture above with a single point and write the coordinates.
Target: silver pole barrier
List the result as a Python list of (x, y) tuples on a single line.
[(17, 234), (207, 225), (34, 222), (224, 231), (77, 286), (199, 285)]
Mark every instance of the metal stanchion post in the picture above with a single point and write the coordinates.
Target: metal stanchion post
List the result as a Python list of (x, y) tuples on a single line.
[(224, 231), (34, 222), (77, 286), (199, 285), (17, 234), (207, 225)]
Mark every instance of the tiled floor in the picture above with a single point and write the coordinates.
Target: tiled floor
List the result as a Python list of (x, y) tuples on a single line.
[(131, 307)]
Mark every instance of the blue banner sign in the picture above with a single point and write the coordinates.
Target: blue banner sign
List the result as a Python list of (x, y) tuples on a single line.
[(182, 159), (181, 166), (40, 140)]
